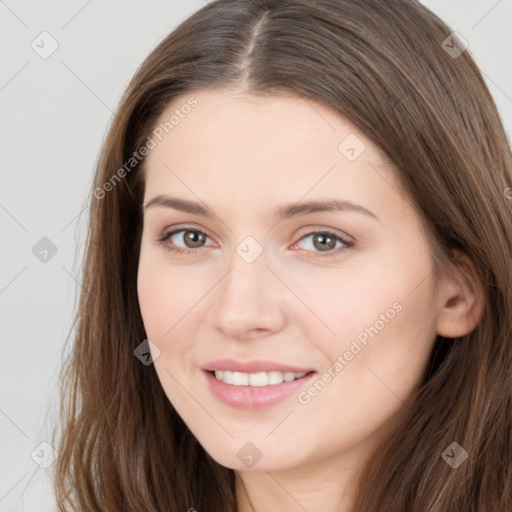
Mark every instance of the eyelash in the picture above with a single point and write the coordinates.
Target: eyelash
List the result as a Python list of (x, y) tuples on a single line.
[(162, 239)]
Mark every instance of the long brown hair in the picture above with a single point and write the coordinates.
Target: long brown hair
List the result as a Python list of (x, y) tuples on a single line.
[(387, 68)]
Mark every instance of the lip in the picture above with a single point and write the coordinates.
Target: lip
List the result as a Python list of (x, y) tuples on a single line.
[(256, 397), (254, 366)]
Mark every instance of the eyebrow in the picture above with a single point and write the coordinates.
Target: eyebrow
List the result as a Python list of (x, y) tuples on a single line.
[(283, 212)]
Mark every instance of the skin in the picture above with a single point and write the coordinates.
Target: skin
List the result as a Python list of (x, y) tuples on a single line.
[(242, 156)]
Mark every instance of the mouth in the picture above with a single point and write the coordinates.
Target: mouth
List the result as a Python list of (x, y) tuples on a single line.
[(258, 388), (258, 379)]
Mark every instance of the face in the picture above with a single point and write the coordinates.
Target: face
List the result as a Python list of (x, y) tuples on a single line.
[(317, 321)]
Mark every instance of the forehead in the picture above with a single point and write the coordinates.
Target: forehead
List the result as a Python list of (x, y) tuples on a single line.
[(234, 116), (232, 142)]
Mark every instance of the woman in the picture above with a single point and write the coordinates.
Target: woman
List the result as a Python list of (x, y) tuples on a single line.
[(297, 293)]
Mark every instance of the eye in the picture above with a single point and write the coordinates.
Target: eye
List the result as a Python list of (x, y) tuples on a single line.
[(325, 242), (192, 239)]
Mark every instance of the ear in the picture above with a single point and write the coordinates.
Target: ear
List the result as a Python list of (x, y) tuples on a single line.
[(462, 298)]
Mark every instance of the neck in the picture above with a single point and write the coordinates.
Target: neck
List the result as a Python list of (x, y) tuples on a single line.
[(325, 485)]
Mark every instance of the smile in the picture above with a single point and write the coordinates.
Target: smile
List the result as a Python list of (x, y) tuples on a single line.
[(258, 379), (256, 390)]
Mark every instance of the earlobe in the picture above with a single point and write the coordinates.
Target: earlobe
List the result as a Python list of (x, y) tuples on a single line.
[(462, 299)]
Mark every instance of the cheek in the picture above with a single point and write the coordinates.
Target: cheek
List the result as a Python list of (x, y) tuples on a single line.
[(343, 301), (373, 374), (381, 355), (384, 320), (368, 293), (163, 302), (171, 301), (165, 294), (154, 300)]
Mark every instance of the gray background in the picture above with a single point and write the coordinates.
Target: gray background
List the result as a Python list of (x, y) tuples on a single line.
[(55, 113)]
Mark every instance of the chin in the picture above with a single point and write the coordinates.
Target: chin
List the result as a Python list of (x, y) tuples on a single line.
[(249, 458)]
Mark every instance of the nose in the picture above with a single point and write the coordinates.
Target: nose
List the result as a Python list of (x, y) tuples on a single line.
[(249, 300)]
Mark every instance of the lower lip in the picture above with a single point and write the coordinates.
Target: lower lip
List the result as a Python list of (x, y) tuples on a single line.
[(255, 397)]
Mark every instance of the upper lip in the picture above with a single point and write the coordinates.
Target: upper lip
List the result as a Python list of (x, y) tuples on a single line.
[(253, 366)]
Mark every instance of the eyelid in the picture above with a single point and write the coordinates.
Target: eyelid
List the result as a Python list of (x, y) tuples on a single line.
[(167, 233), (315, 228), (347, 241)]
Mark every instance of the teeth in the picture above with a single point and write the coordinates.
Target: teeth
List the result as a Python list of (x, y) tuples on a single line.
[(256, 379), (275, 378), (289, 376), (240, 379)]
